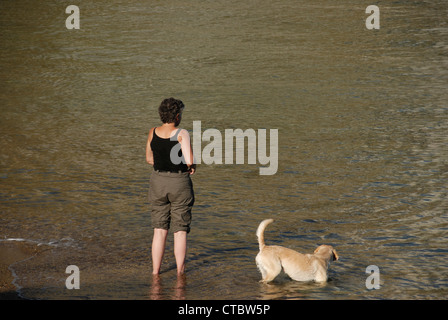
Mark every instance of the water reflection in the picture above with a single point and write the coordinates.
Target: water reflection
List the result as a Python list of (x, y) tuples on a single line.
[(285, 288), (159, 292)]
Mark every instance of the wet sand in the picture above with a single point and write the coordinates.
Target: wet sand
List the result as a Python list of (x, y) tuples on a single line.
[(12, 252)]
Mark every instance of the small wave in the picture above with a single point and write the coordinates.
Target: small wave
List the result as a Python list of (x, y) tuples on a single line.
[(13, 239), (64, 242)]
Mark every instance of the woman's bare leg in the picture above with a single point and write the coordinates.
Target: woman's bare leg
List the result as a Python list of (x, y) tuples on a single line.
[(180, 250), (158, 249)]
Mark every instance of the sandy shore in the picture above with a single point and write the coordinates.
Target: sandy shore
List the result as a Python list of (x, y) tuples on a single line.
[(11, 252)]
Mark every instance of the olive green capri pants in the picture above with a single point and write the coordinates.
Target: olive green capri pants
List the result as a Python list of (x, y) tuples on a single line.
[(171, 197)]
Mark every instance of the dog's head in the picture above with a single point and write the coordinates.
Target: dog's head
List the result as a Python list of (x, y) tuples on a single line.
[(328, 251)]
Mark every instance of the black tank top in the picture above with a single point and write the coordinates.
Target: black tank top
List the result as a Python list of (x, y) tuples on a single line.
[(161, 149)]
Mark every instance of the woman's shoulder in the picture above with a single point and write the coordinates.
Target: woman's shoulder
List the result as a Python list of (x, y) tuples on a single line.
[(151, 132), (182, 134), (183, 131)]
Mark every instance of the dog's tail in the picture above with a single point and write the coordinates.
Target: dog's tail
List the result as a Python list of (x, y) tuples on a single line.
[(260, 232)]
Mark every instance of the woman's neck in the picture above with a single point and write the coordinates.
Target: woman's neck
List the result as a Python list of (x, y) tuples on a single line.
[(168, 125)]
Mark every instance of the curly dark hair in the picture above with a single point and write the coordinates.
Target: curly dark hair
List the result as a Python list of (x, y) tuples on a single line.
[(169, 109)]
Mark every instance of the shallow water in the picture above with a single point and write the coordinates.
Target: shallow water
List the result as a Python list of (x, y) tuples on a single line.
[(362, 123)]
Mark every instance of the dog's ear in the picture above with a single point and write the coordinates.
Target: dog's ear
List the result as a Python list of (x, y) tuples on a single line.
[(335, 255)]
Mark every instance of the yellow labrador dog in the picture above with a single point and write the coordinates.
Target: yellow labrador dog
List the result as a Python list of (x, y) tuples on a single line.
[(300, 267)]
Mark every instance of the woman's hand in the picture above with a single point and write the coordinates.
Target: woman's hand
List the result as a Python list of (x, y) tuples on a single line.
[(192, 169)]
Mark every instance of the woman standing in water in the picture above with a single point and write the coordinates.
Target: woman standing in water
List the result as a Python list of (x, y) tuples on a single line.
[(171, 192)]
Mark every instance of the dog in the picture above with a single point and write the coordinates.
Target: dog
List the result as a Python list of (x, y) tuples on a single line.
[(298, 266)]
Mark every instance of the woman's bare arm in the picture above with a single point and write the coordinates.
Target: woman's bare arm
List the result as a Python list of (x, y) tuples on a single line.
[(149, 154)]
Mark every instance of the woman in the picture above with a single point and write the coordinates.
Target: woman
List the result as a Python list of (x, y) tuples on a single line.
[(170, 191)]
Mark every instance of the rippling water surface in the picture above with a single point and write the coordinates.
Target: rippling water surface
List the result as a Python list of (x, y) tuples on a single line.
[(362, 121)]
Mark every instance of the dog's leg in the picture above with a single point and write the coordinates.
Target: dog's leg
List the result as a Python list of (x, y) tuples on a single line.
[(321, 275), (272, 273), (269, 268), (263, 273), (260, 267)]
